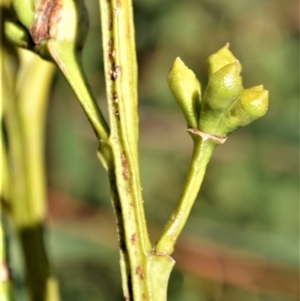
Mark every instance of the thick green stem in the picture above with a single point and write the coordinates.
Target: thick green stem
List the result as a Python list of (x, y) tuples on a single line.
[(144, 274), (4, 174), (16, 154), (124, 256), (24, 118), (32, 107), (201, 155), (121, 77)]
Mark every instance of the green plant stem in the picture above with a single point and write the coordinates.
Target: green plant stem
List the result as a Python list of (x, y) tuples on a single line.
[(121, 77), (69, 63), (201, 155), (32, 107), (4, 174), (121, 84), (24, 118), (16, 155), (124, 256), (144, 274)]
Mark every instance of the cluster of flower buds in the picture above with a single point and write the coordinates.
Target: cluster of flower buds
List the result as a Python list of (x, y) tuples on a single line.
[(55, 20), (225, 105)]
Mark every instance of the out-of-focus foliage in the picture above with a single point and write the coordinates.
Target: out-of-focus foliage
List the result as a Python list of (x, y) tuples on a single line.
[(249, 199)]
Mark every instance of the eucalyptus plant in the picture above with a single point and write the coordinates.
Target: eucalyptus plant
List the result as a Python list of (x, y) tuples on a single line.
[(56, 30)]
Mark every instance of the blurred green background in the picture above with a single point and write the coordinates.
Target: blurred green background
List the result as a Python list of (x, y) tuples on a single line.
[(241, 242)]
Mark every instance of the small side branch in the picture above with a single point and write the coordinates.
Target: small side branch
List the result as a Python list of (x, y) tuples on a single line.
[(202, 152)]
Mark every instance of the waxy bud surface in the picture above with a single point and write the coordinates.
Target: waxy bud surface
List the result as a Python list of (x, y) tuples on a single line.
[(225, 105), (186, 89)]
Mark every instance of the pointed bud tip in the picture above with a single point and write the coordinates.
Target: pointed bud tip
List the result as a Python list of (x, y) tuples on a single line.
[(220, 59), (257, 88), (186, 89), (177, 63)]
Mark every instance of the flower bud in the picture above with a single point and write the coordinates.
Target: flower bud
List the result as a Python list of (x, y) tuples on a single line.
[(186, 89), (220, 59), (226, 105), (251, 105), (223, 88)]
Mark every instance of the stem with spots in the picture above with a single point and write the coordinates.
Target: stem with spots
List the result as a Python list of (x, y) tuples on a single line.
[(58, 29), (144, 274), (120, 75)]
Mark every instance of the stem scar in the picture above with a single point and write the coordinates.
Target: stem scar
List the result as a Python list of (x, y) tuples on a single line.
[(134, 238), (125, 171), (46, 18), (139, 271)]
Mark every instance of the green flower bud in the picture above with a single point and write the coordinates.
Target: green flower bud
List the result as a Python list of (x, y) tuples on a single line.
[(251, 105), (186, 89), (220, 59), (223, 88), (226, 105)]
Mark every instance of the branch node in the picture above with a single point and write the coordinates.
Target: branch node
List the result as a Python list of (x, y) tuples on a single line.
[(206, 136)]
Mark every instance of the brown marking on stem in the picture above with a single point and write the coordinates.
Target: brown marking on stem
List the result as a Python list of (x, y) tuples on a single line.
[(134, 238), (139, 271), (115, 73), (115, 98), (46, 18), (125, 171), (111, 53)]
